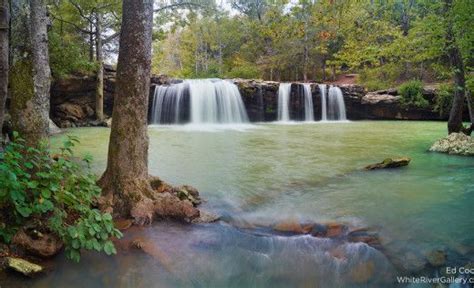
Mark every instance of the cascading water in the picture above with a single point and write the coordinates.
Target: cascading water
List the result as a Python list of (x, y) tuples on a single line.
[(336, 106), (167, 101), (284, 102), (308, 103), (324, 114), (211, 101)]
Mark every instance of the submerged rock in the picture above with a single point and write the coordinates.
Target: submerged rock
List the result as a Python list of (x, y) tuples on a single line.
[(436, 258), (206, 217), (123, 224), (455, 143), (389, 163), (362, 272), (364, 235), (289, 226), (22, 266), (335, 230)]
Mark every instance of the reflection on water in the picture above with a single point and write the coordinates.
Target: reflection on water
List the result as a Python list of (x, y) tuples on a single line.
[(277, 172)]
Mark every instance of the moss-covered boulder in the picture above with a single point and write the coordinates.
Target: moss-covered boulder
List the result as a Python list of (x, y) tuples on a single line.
[(22, 266), (390, 163)]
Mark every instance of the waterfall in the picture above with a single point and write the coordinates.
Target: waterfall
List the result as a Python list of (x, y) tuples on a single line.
[(211, 101), (167, 101), (322, 89), (284, 102), (336, 106), (308, 103)]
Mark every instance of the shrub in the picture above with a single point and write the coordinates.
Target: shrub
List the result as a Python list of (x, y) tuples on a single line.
[(58, 193), (412, 94)]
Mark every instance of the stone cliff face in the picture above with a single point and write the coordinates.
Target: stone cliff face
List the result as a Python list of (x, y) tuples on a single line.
[(385, 105), (72, 101), (261, 101)]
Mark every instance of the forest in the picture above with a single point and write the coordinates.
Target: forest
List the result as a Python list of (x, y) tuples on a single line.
[(271, 110)]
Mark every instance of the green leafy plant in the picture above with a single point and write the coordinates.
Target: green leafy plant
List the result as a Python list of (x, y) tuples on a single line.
[(58, 191), (412, 94)]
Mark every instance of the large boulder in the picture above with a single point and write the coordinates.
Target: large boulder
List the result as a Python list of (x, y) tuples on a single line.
[(37, 243), (455, 143)]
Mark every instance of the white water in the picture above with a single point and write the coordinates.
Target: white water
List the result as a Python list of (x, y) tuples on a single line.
[(336, 106), (284, 102), (308, 103), (212, 101), (324, 114), (167, 103)]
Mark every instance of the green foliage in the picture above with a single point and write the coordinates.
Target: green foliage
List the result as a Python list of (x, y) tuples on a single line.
[(412, 94), (379, 78), (444, 99), (245, 70), (59, 192), (386, 42), (67, 57)]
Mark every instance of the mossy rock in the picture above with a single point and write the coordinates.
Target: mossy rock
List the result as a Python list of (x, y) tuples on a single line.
[(22, 266), (389, 163)]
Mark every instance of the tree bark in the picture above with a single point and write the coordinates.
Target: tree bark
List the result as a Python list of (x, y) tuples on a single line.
[(91, 43), (126, 186), (99, 94), (4, 59), (126, 176), (455, 116), (31, 81)]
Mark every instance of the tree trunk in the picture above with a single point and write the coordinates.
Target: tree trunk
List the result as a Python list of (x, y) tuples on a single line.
[(91, 43), (126, 187), (99, 94), (455, 115), (4, 59), (31, 81), (126, 176)]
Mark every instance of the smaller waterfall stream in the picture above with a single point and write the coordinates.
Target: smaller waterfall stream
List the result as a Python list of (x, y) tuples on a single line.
[(336, 106), (324, 113), (332, 103), (308, 103), (284, 102)]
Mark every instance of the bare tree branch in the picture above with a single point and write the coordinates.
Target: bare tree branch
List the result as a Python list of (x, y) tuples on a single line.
[(81, 12), (72, 24)]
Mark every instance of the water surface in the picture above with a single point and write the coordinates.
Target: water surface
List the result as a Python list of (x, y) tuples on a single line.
[(268, 173)]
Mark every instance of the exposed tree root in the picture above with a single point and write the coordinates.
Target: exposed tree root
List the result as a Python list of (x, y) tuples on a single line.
[(145, 200)]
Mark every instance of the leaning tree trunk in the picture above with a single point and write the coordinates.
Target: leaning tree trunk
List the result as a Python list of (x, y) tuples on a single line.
[(4, 59), (99, 94), (455, 58), (30, 81)]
